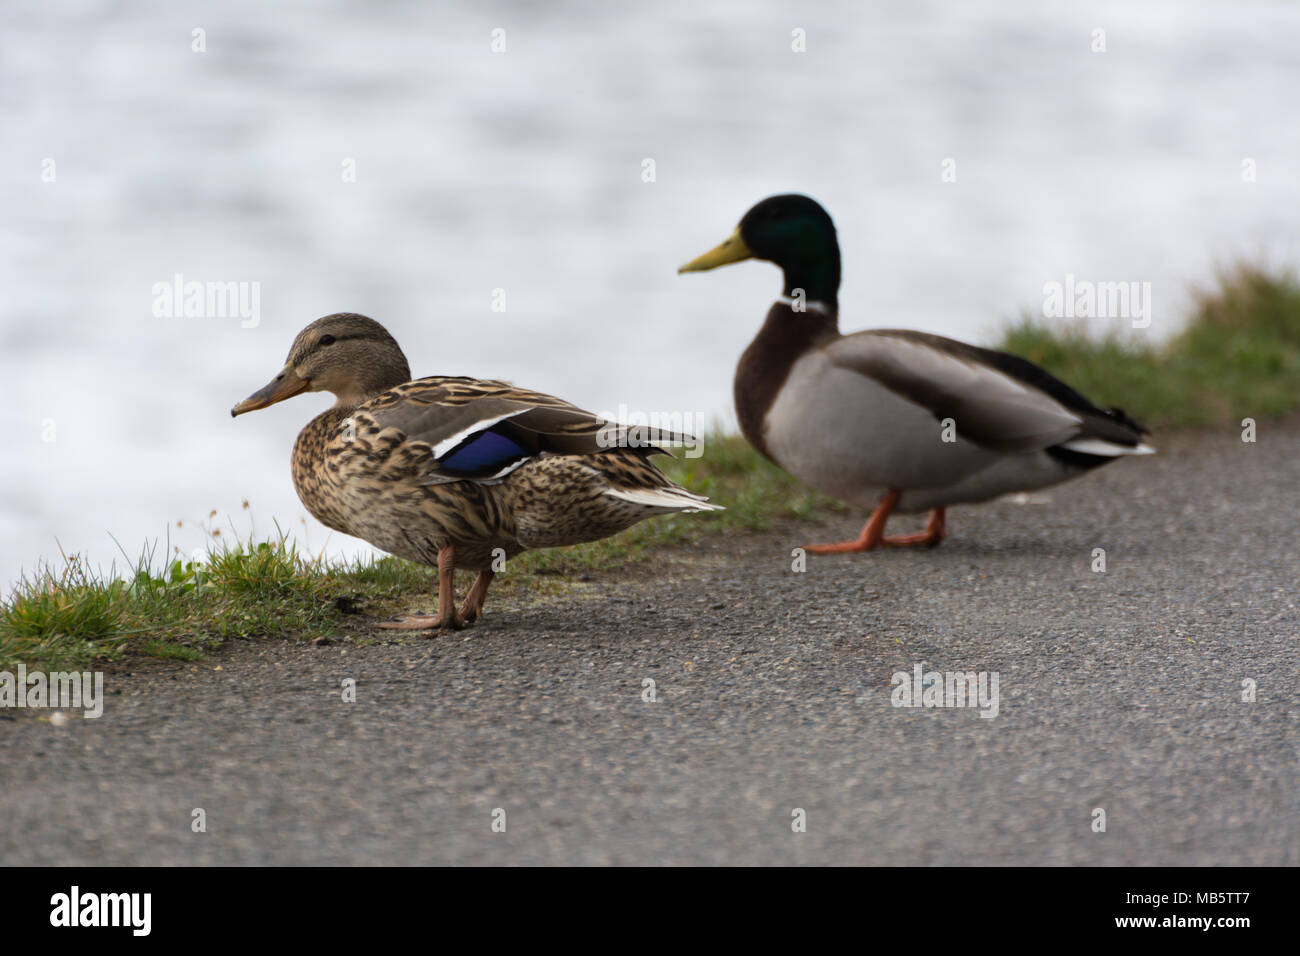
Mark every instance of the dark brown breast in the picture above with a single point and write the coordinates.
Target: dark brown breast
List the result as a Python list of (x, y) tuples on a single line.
[(785, 336)]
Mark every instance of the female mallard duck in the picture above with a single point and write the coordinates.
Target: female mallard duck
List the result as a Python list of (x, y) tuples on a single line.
[(447, 470), (902, 421)]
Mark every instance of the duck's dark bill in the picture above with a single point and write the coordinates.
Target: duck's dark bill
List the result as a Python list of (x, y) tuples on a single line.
[(285, 385), (732, 249)]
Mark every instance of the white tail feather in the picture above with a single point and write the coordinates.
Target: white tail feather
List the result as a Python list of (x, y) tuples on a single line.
[(1095, 446), (667, 499)]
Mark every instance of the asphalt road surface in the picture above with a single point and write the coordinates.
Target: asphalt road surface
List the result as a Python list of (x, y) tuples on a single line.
[(1118, 690)]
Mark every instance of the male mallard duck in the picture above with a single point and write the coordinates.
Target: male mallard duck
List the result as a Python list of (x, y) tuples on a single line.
[(453, 472), (902, 421)]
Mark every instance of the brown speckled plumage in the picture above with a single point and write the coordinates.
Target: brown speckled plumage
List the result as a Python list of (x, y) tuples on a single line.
[(387, 463)]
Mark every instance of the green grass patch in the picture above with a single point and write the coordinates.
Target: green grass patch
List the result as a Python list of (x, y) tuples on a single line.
[(1237, 357), (70, 618)]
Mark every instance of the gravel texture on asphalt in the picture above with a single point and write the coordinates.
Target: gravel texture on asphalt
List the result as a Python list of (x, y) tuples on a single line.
[(1119, 690)]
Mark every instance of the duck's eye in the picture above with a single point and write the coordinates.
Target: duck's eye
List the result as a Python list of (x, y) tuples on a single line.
[(327, 340)]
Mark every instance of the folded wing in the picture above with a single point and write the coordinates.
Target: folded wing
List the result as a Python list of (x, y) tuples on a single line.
[(482, 430), (996, 400)]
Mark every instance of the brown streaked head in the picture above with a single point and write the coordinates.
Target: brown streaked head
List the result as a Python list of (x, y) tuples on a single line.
[(347, 354)]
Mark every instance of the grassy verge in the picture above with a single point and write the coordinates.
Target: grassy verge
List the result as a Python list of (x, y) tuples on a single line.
[(71, 617), (1238, 356)]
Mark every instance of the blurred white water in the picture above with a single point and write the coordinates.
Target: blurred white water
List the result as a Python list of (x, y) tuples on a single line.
[(522, 171)]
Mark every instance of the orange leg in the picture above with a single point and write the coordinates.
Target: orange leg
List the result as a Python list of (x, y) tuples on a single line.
[(472, 609), (446, 618), (872, 532), (929, 538)]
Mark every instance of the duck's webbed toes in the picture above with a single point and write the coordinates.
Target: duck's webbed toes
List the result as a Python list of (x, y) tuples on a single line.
[(451, 622), (934, 533), (472, 609), (412, 622)]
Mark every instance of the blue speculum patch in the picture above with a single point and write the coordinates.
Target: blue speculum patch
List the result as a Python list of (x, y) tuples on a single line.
[(486, 451)]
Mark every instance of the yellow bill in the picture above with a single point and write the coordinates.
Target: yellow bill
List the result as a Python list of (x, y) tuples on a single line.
[(732, 249)]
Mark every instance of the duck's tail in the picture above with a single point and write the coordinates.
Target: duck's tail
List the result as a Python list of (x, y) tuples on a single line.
[(664, 499), (1110, 433), (559, 500)]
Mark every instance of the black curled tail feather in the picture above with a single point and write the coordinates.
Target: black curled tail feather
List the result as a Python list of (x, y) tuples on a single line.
[(1127, 420)]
